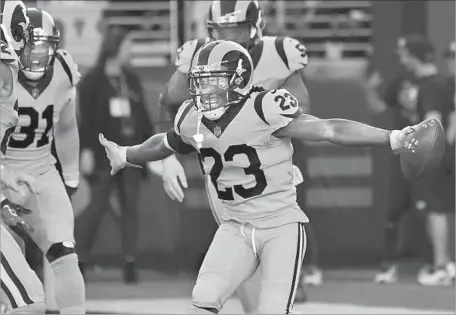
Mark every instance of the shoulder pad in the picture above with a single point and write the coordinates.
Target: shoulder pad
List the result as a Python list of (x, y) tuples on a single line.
[(277, 108), (292, 52), (69, 66), (186, 52), (182, 112)]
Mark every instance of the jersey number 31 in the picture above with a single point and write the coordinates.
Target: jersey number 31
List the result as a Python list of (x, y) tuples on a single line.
[(30, 130)]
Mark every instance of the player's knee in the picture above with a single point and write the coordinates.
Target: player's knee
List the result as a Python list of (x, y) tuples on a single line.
[(206, 297), (65, 265), (59, 250)]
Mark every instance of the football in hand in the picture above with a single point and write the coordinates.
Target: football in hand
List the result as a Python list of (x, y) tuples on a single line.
[(423, 149)]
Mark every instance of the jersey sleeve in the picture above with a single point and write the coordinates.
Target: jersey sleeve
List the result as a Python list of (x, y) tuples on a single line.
[(7, 55), (184, 56), (174, 140), (277, 108), (186, 52), (69, 66), (295, 52)]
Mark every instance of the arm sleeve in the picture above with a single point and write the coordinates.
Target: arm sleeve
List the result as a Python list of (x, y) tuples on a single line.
[(174, 140), (176, 143), (69, 66), (184, 56), (277, 108), (295, 52)]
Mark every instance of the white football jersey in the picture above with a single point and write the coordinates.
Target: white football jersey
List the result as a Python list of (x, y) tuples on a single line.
[(251, 170), (8, 105), (40, 104), (275, 58)]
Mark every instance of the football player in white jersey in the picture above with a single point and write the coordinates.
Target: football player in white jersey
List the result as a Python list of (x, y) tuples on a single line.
[(47, 111), (21, 291), (243, 137), (279, 62)]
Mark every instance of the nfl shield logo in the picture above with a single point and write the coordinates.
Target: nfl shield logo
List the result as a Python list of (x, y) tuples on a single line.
[(217, 131), (35, 93)]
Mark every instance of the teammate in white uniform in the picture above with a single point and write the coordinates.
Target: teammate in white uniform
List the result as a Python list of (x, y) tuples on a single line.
[(21, 290), (47, 111)]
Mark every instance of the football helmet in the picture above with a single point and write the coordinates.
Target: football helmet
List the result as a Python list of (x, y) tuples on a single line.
[(220, 75), (235, 20), (46, 38), (16, 29)]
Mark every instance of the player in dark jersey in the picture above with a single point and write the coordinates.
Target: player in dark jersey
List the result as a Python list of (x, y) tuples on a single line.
[(436, 191)]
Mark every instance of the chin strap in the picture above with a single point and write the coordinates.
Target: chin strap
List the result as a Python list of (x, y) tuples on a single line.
[(199, 137)]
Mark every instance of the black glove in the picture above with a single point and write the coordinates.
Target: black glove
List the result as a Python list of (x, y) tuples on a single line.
[(11, 216), (71, 190)]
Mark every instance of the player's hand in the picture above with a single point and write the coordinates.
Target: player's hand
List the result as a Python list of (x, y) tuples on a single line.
[(11, 216), (174, 178), (155, 167), (116, 154), (13, 180), (397, 138)]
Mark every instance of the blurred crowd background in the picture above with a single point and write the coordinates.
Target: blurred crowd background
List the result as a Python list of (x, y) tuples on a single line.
[(351, 47)]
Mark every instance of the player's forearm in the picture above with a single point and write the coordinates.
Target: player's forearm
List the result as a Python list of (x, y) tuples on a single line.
[(67, 148), (152, 149), (353, 133), (295, 85), (6, 80), (176, 92)]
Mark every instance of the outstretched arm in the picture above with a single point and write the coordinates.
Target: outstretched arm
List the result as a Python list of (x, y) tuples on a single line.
[(67, 141), (153, 149), (341, 132)]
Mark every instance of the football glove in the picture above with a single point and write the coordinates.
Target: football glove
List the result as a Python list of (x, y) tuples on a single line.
[(11, 216)]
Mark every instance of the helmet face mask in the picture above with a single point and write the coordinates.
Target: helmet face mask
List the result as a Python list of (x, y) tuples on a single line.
[(210, 93), (37, 59)]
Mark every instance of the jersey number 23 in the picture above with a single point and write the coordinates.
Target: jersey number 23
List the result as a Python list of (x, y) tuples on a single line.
[(253, 169)]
